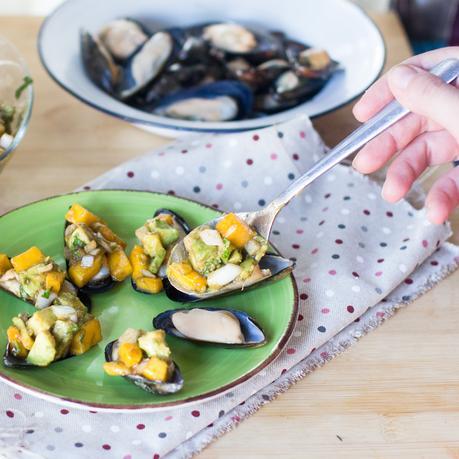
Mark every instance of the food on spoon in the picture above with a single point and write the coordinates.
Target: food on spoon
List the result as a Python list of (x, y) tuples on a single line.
[(144, 358), (212, 325), (94, 253), (219, 257), (35, 278), (209, 72), (53, 333), (157, 236)]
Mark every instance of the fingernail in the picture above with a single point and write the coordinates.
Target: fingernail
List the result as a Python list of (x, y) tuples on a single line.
[(401, 76)]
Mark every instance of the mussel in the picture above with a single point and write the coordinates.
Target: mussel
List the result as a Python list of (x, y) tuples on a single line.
[(226, 327), (94, 254), (221, 257), (56, 332), (143, 358), (220, 101), (98, 63), (149, 258), (146, 64), (37, 279)]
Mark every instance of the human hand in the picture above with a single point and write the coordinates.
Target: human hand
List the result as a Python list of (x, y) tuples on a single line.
[(428, 136)]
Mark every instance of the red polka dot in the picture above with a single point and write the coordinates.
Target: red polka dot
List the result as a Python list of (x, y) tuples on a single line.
[(325, 209), (350, 309), (325, 310), (381, 260), (355, 274), (64, 411), (156, 456), (168, 418), (314, 251), (208, 145), (161, 153), (130, 174), (273, 156), (10, 414), (215, 206), (389, 214), (86, 187), (18, 396), (171, 192), (324, 355), (425, 243), (284, 370), (304, 296), (321, 222), (106, 447), (338, 241), (302, 134), (195, 413), (291, 351), (300, 317), (380, 314), (249, 162), (295, 246), (296, 156), (299, 231), (408, 281), (332, 272), (434, 263), (366, 212), (140, 426), (378, 273), (184, 152), (93, 412), (306, 280), (326, 196), (219, 186), (235, 418), (256, 137)]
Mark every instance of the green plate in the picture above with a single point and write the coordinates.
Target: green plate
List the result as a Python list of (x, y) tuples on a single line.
[(80, 381)]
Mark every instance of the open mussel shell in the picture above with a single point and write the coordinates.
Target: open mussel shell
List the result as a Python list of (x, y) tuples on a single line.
[(280, 267), (183, 228), (252, 332), (11, 361), (174, 384), (230, 100)]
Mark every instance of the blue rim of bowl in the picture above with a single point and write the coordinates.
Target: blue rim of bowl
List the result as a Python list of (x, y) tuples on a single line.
[(222, 130), (152, 407), (25, 115)]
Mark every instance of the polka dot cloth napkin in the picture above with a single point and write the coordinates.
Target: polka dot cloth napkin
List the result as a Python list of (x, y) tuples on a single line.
[(358, 259)]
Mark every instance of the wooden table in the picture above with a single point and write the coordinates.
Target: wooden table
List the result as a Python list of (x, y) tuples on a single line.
[(394, 394)]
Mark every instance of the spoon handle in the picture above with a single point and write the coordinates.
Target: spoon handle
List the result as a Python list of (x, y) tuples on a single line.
[(447, 70)]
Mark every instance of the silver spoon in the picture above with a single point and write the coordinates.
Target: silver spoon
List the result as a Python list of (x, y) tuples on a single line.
[(262, 221)]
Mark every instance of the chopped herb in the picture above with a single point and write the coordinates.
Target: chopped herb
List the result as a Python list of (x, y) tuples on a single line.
[(27, 82), (77, 243), (23, 293), (46, 294)]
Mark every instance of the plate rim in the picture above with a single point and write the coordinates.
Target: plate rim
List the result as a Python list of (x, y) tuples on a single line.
[(202, 127), (146, 408)]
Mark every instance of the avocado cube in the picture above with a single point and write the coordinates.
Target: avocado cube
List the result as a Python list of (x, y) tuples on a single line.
[(79, 238), (204, 258), (43, 350), (154, 344), (63, 331), (41, 320), (167, 233)]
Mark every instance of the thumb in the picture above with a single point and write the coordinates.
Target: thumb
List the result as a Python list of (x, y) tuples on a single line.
[(425, 94)]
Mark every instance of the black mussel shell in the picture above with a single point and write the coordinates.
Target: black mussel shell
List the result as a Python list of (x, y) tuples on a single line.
[(239, 92), (155, 387), (98, 63), (280, 267), (252, 332), (11, 361)]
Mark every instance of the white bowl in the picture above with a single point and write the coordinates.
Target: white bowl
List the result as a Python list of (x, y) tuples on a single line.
[(338, 26)]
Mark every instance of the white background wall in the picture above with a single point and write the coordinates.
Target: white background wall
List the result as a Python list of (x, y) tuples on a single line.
[(43, 7)]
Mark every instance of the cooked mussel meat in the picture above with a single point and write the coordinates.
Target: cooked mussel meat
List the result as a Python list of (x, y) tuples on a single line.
[(229, 327), (56, 332), (35, 278), (157, 236), (220, 101), (144, 358), (94, 253)]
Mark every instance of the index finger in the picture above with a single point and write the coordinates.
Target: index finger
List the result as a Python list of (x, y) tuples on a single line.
[(379, 94)]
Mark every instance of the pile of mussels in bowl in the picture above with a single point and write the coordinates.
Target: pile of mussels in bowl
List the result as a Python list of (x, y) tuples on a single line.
[(174, 67), (211, 72)]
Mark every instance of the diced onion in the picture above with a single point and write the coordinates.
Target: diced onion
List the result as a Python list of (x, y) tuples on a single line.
[(223, 276), (252, 247), (211, 237), (5, 141), (87, 261), (44, 302), (64, 312)]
